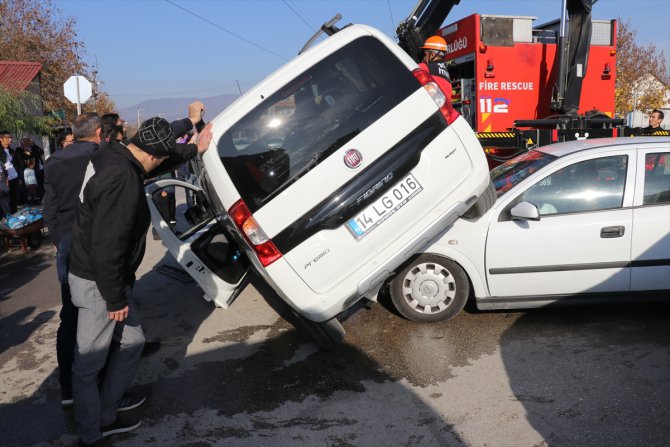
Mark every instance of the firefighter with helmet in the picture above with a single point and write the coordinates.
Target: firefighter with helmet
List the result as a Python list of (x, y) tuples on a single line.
[(435, 47), (434, 50)]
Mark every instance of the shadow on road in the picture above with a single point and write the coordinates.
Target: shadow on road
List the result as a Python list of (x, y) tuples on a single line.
[(597, 376), (18, 269), (18, 327), (254, 382)]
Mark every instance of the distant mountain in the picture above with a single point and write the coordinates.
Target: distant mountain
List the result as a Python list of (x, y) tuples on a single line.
[(175, 108)]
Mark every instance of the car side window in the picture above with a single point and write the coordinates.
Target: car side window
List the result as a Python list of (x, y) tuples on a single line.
[(590, 185), (656, 179)]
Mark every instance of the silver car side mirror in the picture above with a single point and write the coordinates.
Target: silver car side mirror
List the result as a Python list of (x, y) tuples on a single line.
[(525, 211)]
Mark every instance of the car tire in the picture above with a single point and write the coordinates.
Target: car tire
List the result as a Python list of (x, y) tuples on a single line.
[(327, 334), (430, 288), (483, 204)]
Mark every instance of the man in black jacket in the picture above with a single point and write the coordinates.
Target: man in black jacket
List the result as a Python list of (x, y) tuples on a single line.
[(107, 248), (7, 159), (64, 174), (655, 120)]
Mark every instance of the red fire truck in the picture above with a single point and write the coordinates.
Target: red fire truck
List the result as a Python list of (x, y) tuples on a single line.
[(521, 85), (503, 69)]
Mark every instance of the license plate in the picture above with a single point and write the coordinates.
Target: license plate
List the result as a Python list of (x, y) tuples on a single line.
[(384, 207)]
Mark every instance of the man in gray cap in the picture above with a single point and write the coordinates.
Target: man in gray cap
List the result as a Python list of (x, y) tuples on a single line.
[(108, 245)]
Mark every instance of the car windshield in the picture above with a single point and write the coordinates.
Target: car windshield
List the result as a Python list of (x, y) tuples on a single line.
[(312, 116), (508, 174)]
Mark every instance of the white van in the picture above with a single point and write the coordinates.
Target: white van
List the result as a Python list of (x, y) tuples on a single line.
[(327, 178)]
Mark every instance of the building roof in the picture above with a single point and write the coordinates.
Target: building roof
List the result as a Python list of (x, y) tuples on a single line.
[(17, 75)]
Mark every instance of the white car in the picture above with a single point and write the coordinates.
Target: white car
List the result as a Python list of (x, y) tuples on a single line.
[(576, 222), (325, 178)]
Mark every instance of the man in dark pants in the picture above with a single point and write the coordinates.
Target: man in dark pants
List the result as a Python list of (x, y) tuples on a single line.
[(7, 159), (107, 248), (64, 175)]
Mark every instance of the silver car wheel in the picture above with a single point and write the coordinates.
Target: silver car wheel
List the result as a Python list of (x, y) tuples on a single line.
[(429, 288)]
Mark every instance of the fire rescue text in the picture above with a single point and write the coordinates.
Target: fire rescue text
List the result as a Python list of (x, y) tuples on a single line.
[(486, 85)]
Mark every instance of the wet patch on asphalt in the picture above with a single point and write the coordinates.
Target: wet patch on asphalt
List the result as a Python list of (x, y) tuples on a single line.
[(237, 335), (423, 353), (286, 367)]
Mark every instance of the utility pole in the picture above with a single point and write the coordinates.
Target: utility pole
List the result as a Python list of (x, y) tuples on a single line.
[(94, 74), (138, 116)]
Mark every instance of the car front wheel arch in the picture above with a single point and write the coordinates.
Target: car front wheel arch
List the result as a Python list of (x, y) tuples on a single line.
[(430, 288)]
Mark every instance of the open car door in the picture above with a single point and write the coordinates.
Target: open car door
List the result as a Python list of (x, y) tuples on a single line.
[(183, 219)]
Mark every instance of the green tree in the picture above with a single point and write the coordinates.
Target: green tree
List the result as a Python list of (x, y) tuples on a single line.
[(15, 113), (641, 73)]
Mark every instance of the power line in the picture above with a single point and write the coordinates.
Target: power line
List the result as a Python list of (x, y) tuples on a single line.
[(299, 16), (391, 14), (226, 30), (189, 92)]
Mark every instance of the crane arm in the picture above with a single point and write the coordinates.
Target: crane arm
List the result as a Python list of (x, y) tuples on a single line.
[(424, 21)]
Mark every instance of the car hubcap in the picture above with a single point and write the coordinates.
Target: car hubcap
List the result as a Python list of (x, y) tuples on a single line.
[(429, 288)]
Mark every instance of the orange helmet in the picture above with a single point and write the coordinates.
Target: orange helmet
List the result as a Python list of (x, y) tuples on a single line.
[(435, 43)]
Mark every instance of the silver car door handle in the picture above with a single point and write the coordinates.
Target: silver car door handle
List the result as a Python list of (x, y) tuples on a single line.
[(607, 232)]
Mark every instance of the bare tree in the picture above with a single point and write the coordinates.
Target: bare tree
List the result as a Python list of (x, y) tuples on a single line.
[(641, 73), (35, 30), (102, 104)]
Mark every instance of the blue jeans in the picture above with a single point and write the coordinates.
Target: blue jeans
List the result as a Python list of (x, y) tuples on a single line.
[(66, 337)]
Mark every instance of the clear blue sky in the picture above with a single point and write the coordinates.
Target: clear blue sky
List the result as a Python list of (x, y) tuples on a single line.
[(149, 49)]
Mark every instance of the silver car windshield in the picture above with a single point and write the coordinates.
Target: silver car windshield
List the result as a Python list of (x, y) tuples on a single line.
[(508, 174)]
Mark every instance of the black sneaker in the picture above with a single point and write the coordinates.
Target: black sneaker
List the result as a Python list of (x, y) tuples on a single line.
[(120, 425), (130, 402)]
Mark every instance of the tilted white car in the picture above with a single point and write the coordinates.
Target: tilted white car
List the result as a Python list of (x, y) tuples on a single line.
[(326, 178), (577, 222)]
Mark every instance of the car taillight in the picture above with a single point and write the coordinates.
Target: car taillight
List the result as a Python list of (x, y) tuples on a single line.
[(244, 221), (435, 92)]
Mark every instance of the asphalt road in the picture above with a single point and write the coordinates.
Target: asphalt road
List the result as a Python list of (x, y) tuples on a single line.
[(581, 376)]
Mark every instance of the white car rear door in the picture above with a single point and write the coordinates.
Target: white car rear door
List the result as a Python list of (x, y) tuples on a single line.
[(182, 218), (651, 218), (583, 238)]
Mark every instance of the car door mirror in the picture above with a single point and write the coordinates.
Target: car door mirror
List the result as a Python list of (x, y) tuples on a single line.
[(525, 211)]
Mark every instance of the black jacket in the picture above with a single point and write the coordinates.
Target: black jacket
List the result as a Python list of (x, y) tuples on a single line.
[(112, 220), (64, 174), (652, 129)]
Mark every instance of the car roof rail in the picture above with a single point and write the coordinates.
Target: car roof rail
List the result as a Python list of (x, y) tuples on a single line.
[(328, 28)]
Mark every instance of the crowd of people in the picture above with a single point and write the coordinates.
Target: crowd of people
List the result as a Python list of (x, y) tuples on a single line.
[(21, 173), (98, 218)]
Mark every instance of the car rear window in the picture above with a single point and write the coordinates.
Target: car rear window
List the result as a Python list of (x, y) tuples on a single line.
[(312, 116)]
